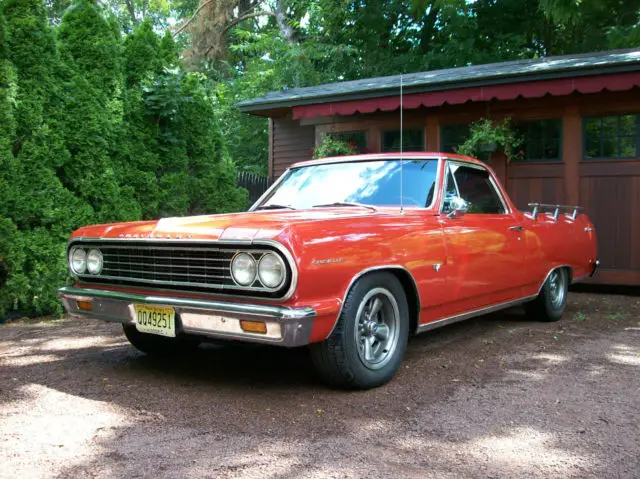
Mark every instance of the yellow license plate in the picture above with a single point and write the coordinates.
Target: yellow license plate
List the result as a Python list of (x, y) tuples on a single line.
[(155, 320)]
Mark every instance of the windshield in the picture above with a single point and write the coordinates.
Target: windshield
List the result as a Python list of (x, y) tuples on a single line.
[(375, 183)]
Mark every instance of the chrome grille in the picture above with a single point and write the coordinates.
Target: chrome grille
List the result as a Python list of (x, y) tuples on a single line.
[(176, 265), (182, 266)]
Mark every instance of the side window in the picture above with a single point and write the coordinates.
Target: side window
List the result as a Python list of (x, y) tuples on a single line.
[(450, 191), (475, 187)]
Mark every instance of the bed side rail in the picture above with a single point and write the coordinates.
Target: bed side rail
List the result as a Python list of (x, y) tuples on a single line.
[(570, 211)]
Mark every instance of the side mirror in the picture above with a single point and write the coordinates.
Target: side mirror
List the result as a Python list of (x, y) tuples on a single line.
[(458, 207)]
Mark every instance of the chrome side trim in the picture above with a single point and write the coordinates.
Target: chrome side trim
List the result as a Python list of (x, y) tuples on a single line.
[(471, 314), (369, 270), (273, 243)]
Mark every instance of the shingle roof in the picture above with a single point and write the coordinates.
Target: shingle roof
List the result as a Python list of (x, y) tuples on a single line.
[(450, 78)]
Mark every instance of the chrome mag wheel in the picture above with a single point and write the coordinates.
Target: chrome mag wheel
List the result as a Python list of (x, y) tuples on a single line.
[(377, 326), (557, 288)]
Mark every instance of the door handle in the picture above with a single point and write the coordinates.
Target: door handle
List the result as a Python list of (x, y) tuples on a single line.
[(516, 228)]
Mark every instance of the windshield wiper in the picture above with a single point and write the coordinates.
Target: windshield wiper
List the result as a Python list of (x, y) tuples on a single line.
[(346, 203), (275, 207)]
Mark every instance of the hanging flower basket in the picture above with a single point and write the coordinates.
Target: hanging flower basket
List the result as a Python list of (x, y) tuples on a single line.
[(487, 137)]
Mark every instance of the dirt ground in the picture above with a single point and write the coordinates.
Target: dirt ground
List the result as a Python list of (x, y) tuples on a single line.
[(496, 396)]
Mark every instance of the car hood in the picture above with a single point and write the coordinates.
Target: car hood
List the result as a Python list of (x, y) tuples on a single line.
[(236, 226)]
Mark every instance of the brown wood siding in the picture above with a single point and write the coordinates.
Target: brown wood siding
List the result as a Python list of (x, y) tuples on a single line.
[(535, 182), (610, 195), (291, 143)]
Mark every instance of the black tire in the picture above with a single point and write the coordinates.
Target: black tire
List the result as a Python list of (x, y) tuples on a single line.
[(548, 306), (159, 346), (341, 359)]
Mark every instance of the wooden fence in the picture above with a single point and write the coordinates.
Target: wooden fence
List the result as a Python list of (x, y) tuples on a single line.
[(255, 184)]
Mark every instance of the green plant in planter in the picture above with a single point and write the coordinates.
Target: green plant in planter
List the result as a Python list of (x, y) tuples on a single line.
[(330, 146), (486, 137)]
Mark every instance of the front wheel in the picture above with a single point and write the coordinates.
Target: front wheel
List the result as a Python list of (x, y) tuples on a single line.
[(552, 300), (368, 343)]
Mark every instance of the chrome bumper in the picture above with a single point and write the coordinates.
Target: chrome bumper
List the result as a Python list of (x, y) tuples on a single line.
[(216, 319)]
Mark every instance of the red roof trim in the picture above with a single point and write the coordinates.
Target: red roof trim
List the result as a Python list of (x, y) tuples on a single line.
[(532, 89)]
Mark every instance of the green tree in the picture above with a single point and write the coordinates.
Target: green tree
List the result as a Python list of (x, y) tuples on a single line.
[(91, 58), (36, 213)]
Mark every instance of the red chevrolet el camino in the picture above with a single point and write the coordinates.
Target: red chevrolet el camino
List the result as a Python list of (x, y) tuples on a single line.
[(349, 256)]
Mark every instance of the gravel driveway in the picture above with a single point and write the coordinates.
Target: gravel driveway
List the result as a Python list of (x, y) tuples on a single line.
[(497, 396)]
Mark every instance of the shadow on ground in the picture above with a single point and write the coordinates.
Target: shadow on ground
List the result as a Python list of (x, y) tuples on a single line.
[(495, 396)]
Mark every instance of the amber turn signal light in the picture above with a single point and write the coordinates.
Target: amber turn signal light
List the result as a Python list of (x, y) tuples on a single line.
[(253, 327), (85, 305)]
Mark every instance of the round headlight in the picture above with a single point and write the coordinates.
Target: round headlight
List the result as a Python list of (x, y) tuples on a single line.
[(78, 260), (243, 269), (95, 261), (271, 270)]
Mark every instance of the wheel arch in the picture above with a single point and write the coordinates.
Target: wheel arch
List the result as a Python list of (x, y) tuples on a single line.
[(566, 267), (408, 283)]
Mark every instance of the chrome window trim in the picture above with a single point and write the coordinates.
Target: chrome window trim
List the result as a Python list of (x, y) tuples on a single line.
[(507, 210), (214, 291), (367, 157), (447, 170), (267, 194)]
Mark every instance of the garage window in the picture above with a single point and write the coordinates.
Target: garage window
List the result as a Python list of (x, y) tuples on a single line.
[(611, 137), (412, 140), (453, 136), (541, 140)]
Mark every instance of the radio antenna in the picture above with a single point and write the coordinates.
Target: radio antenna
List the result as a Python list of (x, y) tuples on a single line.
[(401, 159)]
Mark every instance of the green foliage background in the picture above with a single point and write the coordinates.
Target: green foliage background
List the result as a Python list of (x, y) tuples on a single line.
[(96, 127), (103, 119)]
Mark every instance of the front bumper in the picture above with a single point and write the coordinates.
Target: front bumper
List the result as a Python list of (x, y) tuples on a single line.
[(216, 319)]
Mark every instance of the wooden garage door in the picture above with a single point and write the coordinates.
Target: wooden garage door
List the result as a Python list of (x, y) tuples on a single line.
[(610, 194)]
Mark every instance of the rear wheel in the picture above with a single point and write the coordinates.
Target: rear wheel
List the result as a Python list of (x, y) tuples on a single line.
[(367, 345), (552, 300), (159, 346)]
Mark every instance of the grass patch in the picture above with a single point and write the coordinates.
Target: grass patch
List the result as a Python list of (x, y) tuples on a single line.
[(579, 317)]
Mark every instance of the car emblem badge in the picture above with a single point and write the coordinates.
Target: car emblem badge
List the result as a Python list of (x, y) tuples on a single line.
[(436, 267)]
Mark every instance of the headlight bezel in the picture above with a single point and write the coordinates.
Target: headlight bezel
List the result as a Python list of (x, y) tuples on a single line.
[(251, 278), (82, 269), (281, 264), (91, 252)]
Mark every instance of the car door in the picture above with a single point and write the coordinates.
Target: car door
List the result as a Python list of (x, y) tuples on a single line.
[(484, 246)]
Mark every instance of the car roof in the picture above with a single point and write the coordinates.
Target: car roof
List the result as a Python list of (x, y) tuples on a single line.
[(426, 155)]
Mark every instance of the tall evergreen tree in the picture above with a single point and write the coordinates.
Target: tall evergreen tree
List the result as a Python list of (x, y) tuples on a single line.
[(39, 212), (91, 58)]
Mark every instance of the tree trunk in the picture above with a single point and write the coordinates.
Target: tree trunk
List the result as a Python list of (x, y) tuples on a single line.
[(428, 27), (132, 12), (286, 30)]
